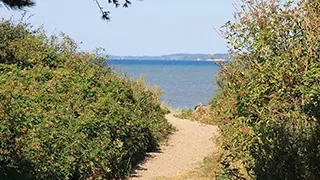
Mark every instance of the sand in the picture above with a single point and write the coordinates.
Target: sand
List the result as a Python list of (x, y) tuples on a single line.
[(185, 150)]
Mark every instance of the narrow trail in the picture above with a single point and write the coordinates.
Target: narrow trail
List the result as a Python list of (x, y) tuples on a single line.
[(186, 148)]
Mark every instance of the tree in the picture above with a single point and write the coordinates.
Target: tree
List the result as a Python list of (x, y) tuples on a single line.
[(21, 4), (105, 14), (69, 117), (269, 97), (17, 4)]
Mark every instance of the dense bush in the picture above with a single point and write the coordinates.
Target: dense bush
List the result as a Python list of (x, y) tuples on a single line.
[(64, 115), (269, 101)]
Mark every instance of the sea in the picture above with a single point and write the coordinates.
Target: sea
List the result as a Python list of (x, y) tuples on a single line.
[(185, 84)]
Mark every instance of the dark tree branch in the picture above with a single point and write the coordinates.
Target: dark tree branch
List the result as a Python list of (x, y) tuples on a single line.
[(20, 4), (105, 14)]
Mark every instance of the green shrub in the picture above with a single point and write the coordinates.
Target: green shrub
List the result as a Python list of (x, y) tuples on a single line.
[(269, 101), (185, 114), (64, 115)]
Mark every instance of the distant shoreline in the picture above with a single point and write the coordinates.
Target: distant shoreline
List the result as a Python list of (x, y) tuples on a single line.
[(176, 57), (191, 60)]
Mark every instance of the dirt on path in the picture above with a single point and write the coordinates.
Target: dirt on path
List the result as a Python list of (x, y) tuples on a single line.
[(185, 149)]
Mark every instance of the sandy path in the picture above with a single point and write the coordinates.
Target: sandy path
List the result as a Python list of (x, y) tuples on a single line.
[(186, 148)]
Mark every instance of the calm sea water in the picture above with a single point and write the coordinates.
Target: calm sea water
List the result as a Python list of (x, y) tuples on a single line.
[(185, 83)]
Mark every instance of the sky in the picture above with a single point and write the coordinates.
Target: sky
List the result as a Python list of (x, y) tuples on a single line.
[(148, 27)]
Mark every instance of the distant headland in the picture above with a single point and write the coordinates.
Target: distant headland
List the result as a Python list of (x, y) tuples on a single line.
[(178, 56)]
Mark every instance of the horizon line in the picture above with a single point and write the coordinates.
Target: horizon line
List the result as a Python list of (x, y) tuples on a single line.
[(171, 54)]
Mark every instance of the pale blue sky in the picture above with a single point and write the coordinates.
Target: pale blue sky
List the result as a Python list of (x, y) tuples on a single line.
[(148, 27)]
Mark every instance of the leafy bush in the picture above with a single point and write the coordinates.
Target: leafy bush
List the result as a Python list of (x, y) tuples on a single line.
[(64, 115), (202, 114), (185, 114), (269, 101)]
